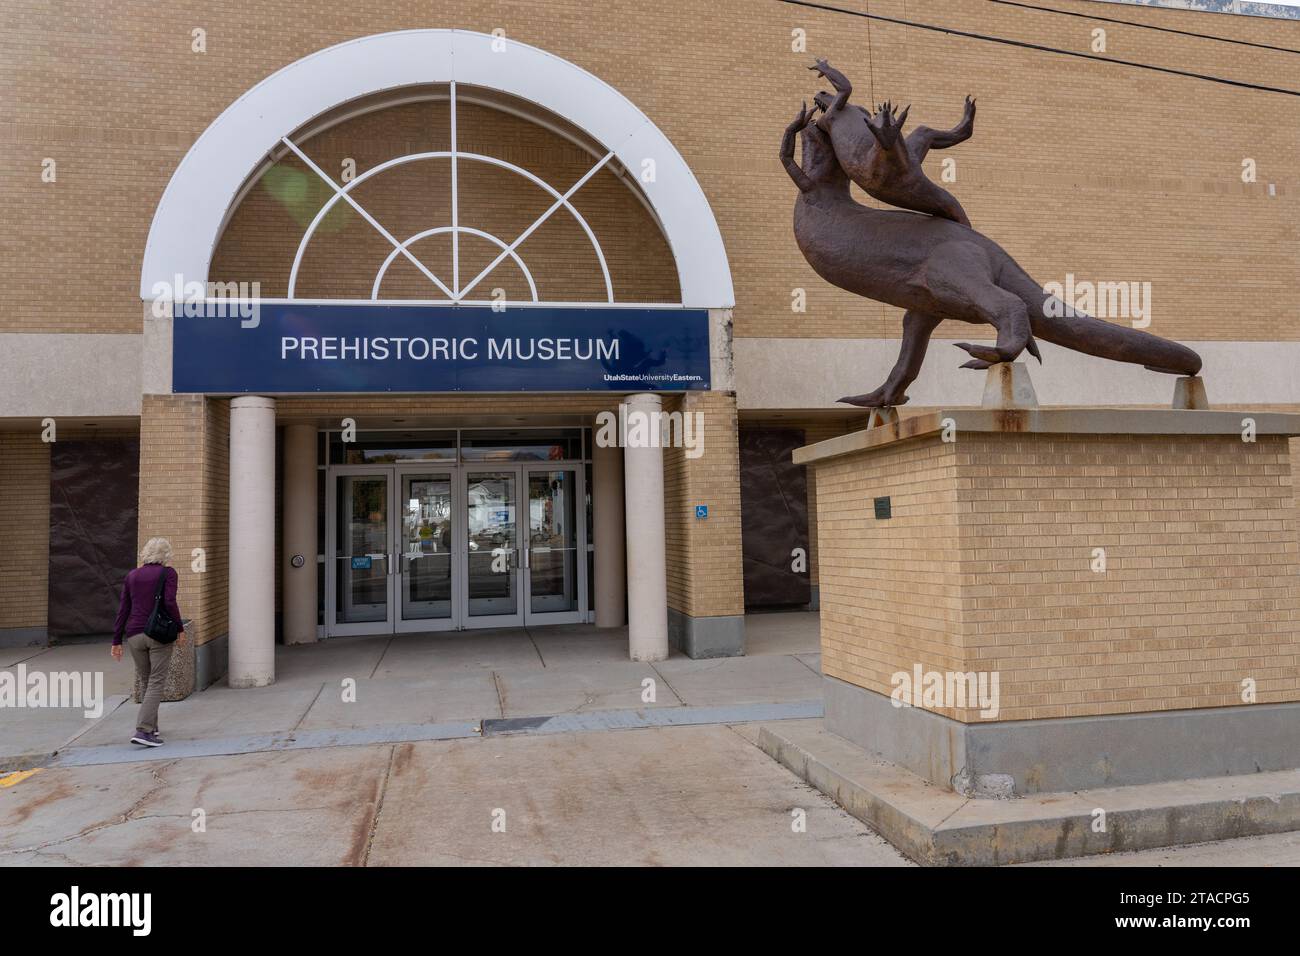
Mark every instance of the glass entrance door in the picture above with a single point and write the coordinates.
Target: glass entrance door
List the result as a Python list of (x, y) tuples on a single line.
[(492, 559), (425, 559), (554, 585), (421, 547), (361, 554)]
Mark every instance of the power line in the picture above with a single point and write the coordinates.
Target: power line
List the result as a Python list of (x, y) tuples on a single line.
[(871, 61), (1145, 26), (1006, 41)]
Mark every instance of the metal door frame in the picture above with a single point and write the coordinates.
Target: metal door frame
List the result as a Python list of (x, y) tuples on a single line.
[(458, 590), (333, 627), (579, 614), (395, 562), (516, 565)]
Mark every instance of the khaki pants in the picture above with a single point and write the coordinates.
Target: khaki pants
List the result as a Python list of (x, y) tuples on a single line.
[(151, 660)]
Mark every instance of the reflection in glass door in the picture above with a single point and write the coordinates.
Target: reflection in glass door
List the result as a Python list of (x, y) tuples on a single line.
[(361, 553), (425, 547), (425, 551), (492, 558), (552, 559)]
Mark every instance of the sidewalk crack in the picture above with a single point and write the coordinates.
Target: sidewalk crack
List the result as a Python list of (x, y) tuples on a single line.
[(668, 684), (805, 664), (303, 716), (501, 694), (379, 804), (535, 647), (383, 654), (158, 784)]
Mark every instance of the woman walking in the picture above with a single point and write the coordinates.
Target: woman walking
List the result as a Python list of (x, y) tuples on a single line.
[(152, 583)]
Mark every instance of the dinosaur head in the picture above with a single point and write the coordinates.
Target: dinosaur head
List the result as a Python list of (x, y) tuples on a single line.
[(819, 162)]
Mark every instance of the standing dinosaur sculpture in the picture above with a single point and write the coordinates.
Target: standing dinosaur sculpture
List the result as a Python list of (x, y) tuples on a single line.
[(934, 269)]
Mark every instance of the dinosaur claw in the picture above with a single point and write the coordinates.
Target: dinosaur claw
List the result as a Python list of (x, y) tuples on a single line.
[(985, 353), (873, 400)]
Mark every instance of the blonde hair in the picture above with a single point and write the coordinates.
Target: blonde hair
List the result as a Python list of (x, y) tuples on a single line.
[(156, 551)]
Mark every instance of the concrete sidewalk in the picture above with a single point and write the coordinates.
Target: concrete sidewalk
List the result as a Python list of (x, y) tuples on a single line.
[(412, 687), (698, 796)]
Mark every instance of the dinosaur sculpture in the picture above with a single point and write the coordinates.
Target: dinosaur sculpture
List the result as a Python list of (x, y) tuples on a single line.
[(875, 155), (934, 269)]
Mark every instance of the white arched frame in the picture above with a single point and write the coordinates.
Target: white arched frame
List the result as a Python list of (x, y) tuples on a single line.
[(188, 221)]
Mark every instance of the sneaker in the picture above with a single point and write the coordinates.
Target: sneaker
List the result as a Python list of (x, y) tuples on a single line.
[(146, 739)]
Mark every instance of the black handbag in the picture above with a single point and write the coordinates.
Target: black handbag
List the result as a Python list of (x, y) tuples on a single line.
[(160, 625)]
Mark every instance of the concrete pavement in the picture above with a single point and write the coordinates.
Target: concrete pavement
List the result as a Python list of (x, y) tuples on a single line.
[(381, 685), (682, 796), (552, 733)]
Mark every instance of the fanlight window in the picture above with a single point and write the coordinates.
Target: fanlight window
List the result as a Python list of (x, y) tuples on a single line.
[(458, 175)]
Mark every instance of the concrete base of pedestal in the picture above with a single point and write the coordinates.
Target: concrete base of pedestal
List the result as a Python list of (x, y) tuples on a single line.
[(24, 637), (944, 828), (1017, 757), (1007, 385), (1190, 394), (211, 662), (704, 637)]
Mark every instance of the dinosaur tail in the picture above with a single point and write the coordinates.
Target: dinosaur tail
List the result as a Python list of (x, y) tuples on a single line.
[(1082, 333)]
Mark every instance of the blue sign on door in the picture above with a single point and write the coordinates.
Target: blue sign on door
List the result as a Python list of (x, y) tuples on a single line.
[(295, 348), (361, 564)]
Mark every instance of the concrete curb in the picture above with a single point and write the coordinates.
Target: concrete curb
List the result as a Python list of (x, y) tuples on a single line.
[(584, 722), (937, 827)]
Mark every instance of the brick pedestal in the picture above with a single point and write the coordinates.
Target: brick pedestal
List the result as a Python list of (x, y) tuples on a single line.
[(1109, 569)]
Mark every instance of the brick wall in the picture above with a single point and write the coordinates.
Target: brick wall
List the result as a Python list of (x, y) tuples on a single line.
[(184, 497), (705, 574), (986, 566), (24, 529), (1104, 170)]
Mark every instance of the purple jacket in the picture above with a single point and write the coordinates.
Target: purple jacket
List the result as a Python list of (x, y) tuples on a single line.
[(137, 599)]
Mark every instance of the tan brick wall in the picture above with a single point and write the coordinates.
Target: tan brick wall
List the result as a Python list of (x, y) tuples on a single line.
[(985, 566), (814, 432), (705, 573), (890, 590), (24, 529), (184, 497), (1104, 170)]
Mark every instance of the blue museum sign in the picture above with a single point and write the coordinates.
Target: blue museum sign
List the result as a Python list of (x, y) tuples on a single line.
[(291, 347)]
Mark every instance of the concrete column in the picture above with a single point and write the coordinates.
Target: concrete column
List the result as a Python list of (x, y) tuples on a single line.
[(607, 514), (298, 537), (643, 485), (252, 542)]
